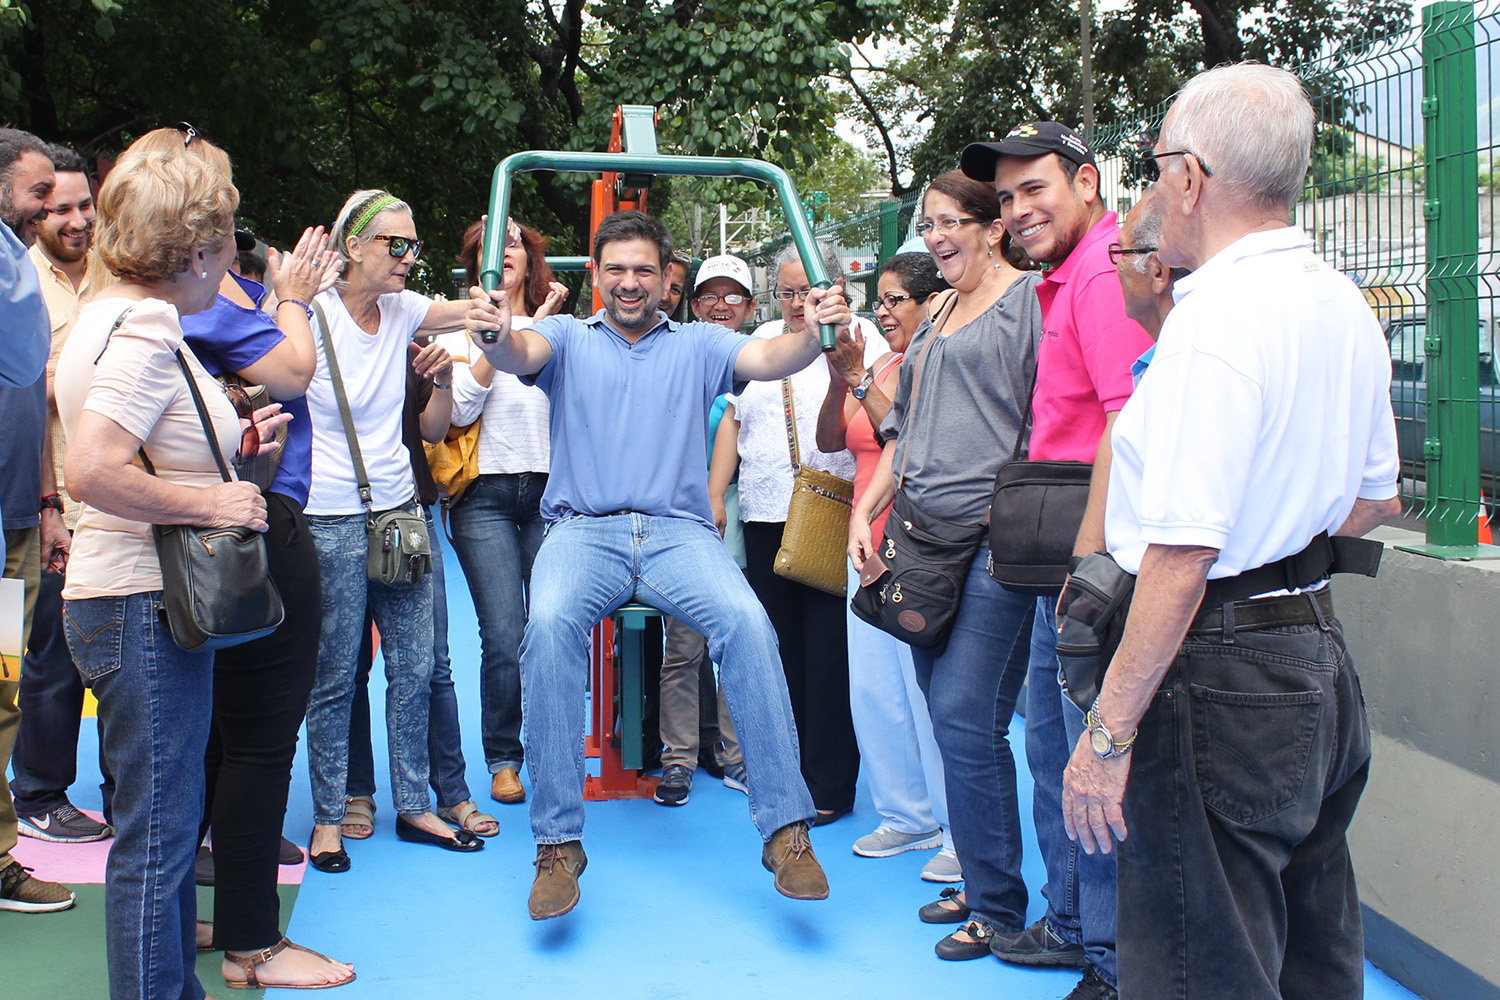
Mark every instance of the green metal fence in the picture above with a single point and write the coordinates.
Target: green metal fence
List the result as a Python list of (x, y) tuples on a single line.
[(1400, 197)]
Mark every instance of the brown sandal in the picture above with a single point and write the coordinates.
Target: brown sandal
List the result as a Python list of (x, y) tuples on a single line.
[(253, 961), (470, 819), (359, 814), (205, 948)]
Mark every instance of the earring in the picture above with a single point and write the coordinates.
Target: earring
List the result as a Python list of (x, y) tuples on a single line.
[(997, 265), (989, 253)]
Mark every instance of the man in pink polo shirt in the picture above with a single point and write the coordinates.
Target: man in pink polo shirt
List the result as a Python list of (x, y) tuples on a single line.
[(1048, 183)]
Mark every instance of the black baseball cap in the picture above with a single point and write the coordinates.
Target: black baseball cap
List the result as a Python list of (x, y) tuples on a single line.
[(1031, 139), (244, 240)]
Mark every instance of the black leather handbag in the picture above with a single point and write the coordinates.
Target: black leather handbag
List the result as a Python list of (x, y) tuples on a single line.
[(216, 582), (1035, 515)]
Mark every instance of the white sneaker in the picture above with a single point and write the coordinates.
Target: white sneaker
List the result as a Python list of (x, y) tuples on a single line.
[(885, 842), (943, 867)]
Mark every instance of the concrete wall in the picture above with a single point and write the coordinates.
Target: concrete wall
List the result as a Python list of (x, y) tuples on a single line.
[(1425, 638)]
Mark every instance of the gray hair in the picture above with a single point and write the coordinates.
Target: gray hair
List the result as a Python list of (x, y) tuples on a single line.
[(357, 203), (790, 255), (1146, 232), (1252, 125)]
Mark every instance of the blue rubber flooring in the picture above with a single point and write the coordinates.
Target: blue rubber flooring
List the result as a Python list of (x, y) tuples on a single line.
[(675, 904)]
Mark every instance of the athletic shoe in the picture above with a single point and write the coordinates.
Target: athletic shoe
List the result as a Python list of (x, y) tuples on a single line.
[(886, 843), (943, 867), (21, 893), (709, 764), (676, 782), (735, 777), (1093, 987), (1040, 945), (63, 825)]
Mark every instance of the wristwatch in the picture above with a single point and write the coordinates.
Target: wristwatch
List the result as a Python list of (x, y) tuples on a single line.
[(52, 500), (1101, 740), (864, 385)]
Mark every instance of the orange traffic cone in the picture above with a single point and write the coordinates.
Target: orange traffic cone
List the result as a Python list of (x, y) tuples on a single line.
[(1484, 521)]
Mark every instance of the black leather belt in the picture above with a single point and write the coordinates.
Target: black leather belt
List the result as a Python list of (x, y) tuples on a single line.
[(1268, 612)]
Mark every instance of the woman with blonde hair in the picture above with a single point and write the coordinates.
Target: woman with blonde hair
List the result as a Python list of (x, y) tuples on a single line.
[(166, 224)]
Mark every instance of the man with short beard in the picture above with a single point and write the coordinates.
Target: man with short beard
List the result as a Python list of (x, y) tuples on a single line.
[(51, 697), (26, 179)]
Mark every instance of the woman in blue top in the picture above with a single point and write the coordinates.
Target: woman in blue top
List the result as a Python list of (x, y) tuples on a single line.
[(261, 687)]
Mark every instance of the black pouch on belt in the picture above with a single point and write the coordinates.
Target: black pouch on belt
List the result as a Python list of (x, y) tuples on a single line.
[(1090, 623)]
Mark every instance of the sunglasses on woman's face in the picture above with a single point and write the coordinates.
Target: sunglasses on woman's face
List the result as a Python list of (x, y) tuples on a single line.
[(400, 245), (245, 410)]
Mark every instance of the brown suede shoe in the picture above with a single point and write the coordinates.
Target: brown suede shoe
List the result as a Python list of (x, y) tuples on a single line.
[(555, 890), (505, 787), (789, 855)]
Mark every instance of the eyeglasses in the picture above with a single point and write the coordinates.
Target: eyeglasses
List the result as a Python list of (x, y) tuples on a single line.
[(1151, 170), (1116, 252), (190, 132), (245, 410), (711, 299), (787, 294), (399, 246), (891, 300), (942, 225)]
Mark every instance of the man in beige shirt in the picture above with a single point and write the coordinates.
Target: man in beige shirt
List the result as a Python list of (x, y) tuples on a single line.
[(51, 696)]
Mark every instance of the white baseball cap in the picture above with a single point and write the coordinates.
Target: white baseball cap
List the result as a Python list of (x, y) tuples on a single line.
[(727, 266)]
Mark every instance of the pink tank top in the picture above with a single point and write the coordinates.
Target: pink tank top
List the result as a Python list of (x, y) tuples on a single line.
[(860, 439)]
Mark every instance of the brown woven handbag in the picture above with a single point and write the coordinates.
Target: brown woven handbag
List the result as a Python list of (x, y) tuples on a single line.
[(815, 541)]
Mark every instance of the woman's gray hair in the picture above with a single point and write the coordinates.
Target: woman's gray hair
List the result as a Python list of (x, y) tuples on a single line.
[(790, 255), (1252, 125), (357, 204)]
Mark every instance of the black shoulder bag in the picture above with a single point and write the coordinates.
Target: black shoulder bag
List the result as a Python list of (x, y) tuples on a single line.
[(216, 582)]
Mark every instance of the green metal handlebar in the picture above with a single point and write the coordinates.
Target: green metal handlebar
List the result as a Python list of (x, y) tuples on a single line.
[(634, 163)]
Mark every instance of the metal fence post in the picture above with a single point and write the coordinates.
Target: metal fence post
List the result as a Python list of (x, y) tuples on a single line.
[(890, 232), (1449, 112)]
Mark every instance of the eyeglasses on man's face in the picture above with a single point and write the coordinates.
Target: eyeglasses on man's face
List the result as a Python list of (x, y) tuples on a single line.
[(788, 294), (400, 245), (891, 300), (942, 225), (1116, 252), (1151, 170), (710, 299)]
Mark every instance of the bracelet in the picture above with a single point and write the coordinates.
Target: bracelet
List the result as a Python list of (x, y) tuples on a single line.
[(52, 500), (440, 385), (297, 302)]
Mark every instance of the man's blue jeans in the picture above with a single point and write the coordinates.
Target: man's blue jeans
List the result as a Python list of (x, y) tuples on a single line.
[(589, 566), (971, 691), (155, 703), (497, 531), (1080, 887), (404, 615)]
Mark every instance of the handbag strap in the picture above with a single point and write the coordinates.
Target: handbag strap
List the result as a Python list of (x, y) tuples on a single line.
[(326, 337), (203, 418), (790, 412), (933, 332), (1015, 453)]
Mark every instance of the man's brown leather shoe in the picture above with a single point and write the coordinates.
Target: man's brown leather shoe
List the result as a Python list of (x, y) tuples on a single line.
[(789, 856), (505, 787), (555, 890)]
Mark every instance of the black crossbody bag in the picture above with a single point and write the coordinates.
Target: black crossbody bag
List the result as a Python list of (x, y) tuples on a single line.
[(912, 586)]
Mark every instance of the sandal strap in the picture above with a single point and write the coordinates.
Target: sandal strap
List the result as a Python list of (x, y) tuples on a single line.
[(256, 959)]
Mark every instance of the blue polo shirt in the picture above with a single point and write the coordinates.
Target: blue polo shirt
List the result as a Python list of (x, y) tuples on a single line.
[(630, 423)]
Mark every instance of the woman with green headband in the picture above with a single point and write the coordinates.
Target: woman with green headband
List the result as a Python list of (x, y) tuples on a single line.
[(380, 331)]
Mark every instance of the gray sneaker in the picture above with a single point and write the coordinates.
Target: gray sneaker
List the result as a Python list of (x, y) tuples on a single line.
[(885, 842), (63, 825), (676, 783), (943, 867), (734, 777)]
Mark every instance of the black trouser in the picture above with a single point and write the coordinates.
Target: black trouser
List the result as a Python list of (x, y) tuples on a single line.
[(1235, 880), (260, 699), (811, 630), (51, 699)]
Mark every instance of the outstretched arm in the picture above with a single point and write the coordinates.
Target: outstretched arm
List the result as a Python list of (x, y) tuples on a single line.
[(777, 357), (520, 352)]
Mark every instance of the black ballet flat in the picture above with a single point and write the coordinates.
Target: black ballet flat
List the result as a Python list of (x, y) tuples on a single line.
[(332, 862), (462, 840)]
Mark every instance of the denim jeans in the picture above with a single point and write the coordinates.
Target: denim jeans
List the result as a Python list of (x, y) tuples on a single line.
[(971, 691), (51, 701), (155, 703), (403, 613), (497, 530), (587, 567), (896, 748), (1245, 775), (1080, 888)]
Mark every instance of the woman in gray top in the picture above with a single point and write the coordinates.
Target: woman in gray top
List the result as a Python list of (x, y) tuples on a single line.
[(945, 439)]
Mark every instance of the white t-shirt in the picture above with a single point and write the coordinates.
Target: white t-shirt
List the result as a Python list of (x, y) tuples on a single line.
[(138, 385), (765, 457), (514, 435), (1265, 412), (374, 376)]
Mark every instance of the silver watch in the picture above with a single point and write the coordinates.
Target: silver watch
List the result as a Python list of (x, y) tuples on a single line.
[(864, 385), (1102, 740)]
